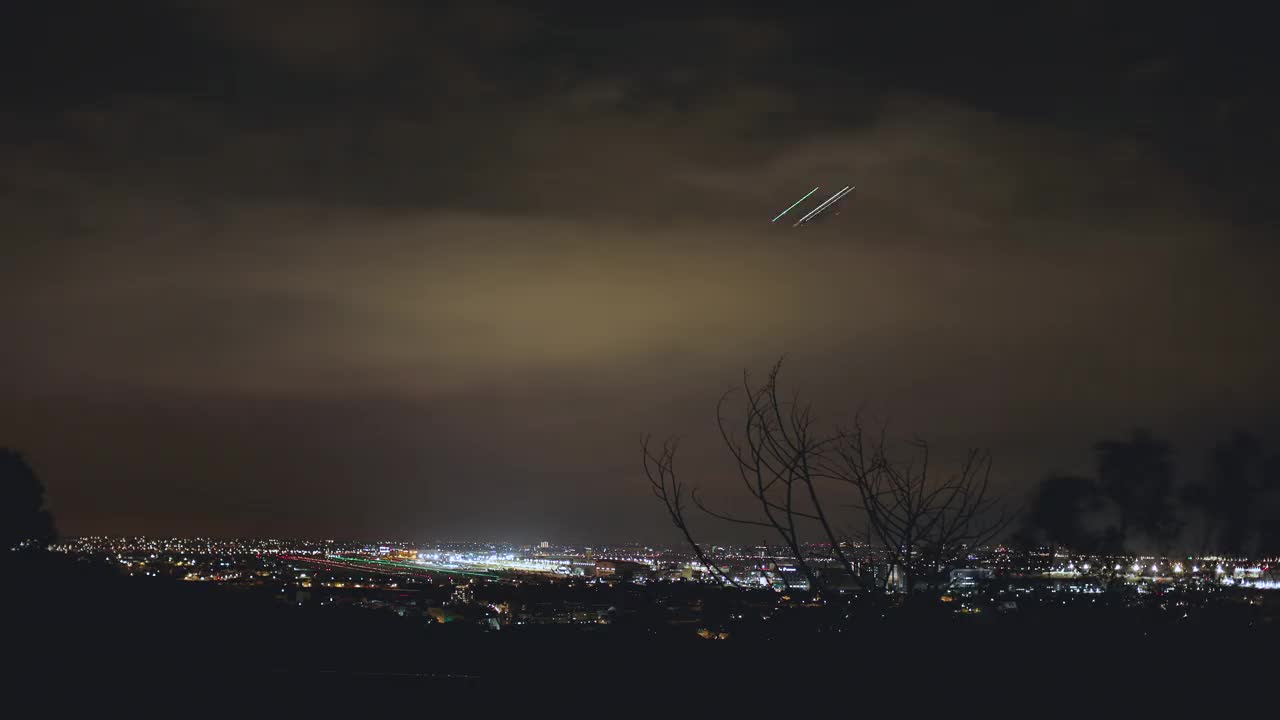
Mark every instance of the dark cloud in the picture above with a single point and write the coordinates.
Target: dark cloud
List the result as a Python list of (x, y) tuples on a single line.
[(367, 268)]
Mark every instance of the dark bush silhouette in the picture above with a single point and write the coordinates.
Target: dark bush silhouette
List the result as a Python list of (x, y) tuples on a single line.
[(1059, 512), (1236, 501), (1136, 476), (1269, 509), (1134, 498), (24, 522)]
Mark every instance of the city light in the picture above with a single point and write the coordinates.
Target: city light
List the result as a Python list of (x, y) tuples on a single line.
[(325, 573)]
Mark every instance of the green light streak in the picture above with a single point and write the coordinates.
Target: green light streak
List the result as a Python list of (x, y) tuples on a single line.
[(794, 204)]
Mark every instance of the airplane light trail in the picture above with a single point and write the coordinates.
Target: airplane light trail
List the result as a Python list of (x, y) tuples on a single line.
[(793, 205), (828, 203)]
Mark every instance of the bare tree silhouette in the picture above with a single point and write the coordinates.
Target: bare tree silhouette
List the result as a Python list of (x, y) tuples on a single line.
[(780, 456), (659, 467), (920, 520), (790, 467)]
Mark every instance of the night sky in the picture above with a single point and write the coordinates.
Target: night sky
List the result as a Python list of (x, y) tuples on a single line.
[(352, 270)]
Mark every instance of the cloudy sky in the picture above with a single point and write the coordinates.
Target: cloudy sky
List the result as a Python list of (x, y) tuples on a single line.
[(362, 269)]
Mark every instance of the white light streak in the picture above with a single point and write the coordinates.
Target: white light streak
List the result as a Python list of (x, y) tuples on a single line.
[(828, 203)]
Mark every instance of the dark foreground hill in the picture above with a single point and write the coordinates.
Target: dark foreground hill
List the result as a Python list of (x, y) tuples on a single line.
[(73, 626)]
